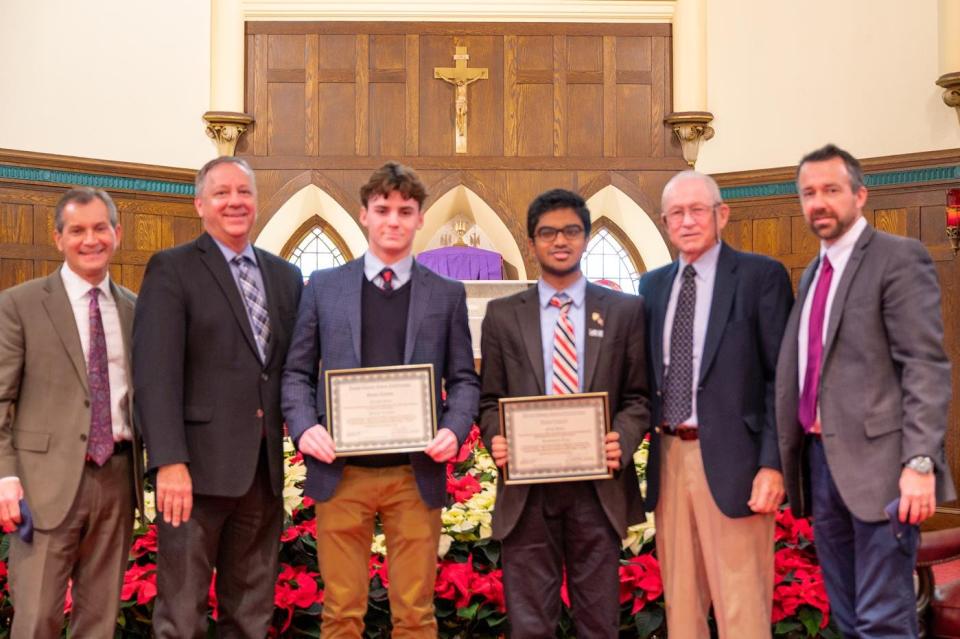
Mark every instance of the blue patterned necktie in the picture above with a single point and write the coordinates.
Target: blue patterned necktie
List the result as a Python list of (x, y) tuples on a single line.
[(256, 304), (678, 387), (100, 440)]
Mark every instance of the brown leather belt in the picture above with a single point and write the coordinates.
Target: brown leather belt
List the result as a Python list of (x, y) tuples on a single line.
[(684, 432)]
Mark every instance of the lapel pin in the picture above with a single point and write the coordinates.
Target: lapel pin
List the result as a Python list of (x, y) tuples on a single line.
[(597, 318)]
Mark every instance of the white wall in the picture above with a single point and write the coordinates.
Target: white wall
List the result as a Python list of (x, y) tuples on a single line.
[(124, 80), (786, 76), (128, 80)]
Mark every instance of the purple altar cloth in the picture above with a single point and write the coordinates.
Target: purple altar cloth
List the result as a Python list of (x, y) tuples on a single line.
[(463, 263)]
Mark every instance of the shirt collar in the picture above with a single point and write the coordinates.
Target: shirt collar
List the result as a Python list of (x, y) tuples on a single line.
[(77, 287), (372, 265), (844, 244), (229, 253), (576, 292), (706, 264)]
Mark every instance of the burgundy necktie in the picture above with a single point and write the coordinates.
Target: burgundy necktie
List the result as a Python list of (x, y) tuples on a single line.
[(100, 440), (807, 410), (387, 276)]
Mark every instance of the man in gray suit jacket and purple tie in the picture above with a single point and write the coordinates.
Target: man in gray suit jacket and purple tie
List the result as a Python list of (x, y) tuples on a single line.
[(382, 309), (863, 385)]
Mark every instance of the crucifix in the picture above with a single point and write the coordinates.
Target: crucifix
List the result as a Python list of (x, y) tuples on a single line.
[(460, 77)]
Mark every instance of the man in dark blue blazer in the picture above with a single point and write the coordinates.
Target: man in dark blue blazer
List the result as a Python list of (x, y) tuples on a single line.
[(715, 318), (382, 309)]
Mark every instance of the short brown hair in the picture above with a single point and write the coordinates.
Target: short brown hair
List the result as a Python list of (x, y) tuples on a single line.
[(830, 151), (394, 177), (201, 178), (83, 195)]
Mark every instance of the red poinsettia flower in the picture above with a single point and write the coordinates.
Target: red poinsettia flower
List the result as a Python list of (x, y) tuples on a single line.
[(453, 582), (490, 587), (212, 596), (378, 568), (145, 543), (466, 449), (464, 488), (139, 582), (640, 573), (296, 587)]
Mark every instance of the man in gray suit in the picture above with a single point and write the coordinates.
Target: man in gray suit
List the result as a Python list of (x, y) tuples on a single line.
[(67, 445), (382, 309), (863, 385)]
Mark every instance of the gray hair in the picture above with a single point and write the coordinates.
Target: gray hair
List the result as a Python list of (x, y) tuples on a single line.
[(84, 195), (212, 164), (690, 174)]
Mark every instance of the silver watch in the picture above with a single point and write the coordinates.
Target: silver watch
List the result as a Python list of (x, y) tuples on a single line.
[(921, 464)]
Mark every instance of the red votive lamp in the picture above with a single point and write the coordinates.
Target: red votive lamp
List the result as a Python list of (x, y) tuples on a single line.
[(953, 219)]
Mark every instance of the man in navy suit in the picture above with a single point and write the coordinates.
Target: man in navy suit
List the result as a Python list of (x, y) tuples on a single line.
[(715, 319), (382, 309)]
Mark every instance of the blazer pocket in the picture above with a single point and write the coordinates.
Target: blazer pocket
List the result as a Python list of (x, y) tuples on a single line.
[(31, 440), (882, 424), (197, 413)]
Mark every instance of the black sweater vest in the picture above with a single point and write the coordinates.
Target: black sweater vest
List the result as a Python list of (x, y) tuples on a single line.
[(383, 335)]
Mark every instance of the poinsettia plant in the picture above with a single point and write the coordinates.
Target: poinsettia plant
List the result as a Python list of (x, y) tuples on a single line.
[(469, 595)]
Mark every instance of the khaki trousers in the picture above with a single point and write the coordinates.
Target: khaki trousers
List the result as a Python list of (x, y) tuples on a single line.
[(707, 557), (345, 526), (90, 546)]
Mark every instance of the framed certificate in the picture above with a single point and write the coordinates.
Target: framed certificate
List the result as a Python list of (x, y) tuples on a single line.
[(555, 438), (390, 409)]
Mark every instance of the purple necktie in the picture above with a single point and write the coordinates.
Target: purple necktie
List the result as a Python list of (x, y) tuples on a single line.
[(100, 440), (807, 410)]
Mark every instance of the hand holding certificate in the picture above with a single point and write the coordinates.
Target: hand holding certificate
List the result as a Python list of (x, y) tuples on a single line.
[(555, 438), (388, 409)]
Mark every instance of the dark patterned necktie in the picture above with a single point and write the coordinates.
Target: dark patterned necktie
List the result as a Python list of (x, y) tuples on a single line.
[(100, 440), (565, 375), (387, 276), (678, 387), (807, 408), (256, 304)]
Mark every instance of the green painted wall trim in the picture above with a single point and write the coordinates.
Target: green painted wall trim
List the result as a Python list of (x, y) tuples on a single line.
[(30, 174), (911, 176)]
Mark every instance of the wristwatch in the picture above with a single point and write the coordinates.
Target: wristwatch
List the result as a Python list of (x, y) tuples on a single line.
[(921, 464)]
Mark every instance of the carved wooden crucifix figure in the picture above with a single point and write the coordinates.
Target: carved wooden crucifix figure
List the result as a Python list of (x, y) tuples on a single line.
[(460, 76)]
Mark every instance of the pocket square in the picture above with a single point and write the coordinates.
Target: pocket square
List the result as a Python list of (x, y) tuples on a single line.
[(595, 332)]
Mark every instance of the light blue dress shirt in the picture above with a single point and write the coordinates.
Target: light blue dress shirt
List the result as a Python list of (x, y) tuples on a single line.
[(548, 322), (372, 265)]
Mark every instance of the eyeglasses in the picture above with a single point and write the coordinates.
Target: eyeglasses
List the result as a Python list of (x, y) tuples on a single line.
[(549, 234), (698, 212)]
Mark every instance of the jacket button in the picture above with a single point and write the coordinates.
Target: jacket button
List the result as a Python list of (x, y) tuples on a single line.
[(264, 377), (83, 438), (86, 403), (659, 393), (260, 413)]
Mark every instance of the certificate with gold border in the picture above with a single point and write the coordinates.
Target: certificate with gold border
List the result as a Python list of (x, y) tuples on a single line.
[(388, 409), (554, 438)]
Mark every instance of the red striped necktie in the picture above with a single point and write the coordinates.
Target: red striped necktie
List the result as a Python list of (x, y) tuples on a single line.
[(565, 376)]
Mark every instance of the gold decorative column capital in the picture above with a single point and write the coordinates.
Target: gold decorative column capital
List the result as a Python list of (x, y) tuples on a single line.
[(225, 129), (692, 129), (951, 94)]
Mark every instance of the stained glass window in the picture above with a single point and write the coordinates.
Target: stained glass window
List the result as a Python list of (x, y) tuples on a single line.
[(316, 250), (607, 259)]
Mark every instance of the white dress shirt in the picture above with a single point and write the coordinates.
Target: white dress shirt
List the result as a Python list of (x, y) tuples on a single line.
[(839, 254), (706, 267), (78, 292)]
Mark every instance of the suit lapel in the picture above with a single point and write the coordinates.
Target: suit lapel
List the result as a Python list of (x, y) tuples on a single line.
[(213, 259), (125, 313), (658, 312), (350, 293), (419, 303), (724, 289), (595, 310), (843, 288), (528, 324), (57, 305)]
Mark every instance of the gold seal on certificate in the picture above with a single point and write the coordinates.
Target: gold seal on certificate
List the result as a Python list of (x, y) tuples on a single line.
[(389, 409), (555, 438)]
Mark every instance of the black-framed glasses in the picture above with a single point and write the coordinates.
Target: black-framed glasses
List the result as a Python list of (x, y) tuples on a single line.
[(549, 233)]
